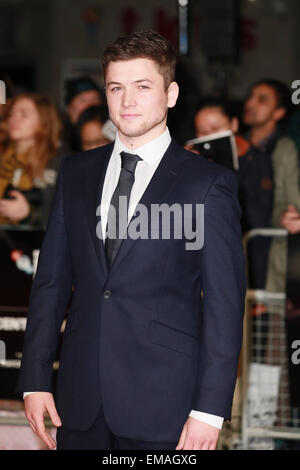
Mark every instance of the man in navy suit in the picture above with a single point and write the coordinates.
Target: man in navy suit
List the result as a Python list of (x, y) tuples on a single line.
[(151, 345)]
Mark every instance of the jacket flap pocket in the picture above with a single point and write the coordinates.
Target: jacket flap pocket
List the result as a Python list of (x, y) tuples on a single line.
[(174, 339)]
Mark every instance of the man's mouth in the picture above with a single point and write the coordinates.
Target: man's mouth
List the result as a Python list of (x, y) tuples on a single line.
[(129, 116)]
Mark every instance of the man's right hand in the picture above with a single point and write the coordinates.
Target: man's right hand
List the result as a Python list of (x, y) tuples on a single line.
[(36, 405), (290, 220)]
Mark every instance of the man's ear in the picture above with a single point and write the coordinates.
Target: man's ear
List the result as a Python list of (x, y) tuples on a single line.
[(173, 92), (279, 114)]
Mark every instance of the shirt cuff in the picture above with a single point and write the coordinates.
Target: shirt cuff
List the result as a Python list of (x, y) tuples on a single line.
[(213, 420), (27, 393)]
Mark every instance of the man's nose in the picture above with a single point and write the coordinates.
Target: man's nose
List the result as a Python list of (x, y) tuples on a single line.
[(129, 98)]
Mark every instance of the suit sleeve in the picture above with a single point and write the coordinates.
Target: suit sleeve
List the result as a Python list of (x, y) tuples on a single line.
[(224, 287), (50, 294)]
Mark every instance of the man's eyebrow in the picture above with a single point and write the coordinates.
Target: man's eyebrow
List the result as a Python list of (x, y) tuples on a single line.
[(136, 81), (143, 80), (113, 83)]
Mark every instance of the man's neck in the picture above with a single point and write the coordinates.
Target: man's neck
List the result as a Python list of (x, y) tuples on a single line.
[(133, 143), (259, 133)]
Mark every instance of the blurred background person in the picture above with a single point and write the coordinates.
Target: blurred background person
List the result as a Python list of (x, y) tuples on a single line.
[(217, 114), (286, 207), (214, 115), (30, 156), (265, 114), (90, 128), (286, 210), (80, 94)]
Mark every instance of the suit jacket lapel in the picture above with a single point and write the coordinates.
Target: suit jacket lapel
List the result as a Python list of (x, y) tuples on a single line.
[(93, 184), (163, 180)]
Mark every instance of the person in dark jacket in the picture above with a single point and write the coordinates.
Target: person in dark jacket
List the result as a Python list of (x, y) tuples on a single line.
[(80, 94), (265, 111)]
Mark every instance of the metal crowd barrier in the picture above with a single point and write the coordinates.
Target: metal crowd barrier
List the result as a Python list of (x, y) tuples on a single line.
[(268, 416)]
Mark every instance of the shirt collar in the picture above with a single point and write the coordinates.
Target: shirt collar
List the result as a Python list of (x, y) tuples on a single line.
[(151, 152)]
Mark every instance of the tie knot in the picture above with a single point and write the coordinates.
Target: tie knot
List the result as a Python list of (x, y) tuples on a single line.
[(129, 161)]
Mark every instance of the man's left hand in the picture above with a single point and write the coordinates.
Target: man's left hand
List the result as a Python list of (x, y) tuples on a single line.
[(197, 435)]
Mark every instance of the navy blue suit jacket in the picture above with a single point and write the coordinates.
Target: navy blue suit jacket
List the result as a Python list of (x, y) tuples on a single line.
[(141, 341)]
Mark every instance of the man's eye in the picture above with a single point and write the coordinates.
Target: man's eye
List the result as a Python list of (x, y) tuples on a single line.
[(143, 87), (115, 88)]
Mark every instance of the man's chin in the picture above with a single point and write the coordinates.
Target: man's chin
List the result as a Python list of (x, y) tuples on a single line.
[(249, 120), (132, 133)]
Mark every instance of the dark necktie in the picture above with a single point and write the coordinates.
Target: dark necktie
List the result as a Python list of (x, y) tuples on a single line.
[(123, 188)]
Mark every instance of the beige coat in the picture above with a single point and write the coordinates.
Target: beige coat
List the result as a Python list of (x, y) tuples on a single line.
[(286, 191)]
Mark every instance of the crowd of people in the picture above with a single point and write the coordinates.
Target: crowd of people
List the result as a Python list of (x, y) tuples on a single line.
[(266, 133), (34, 137)]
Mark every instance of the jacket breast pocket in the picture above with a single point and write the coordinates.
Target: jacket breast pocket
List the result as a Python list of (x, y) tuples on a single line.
[(171, 338)]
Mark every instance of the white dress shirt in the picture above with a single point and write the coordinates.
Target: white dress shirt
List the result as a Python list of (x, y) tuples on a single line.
[(151, 155)]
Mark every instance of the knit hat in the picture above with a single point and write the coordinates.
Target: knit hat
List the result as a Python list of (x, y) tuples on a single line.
[(75, 86)]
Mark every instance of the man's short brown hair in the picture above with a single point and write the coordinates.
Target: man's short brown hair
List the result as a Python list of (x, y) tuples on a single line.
[(146, 45)]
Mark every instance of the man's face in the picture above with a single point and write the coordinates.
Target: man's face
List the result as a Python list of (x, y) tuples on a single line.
[(82, 101), (137, 100), (261, 107)]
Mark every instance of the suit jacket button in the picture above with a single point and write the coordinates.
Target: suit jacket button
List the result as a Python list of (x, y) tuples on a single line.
[(107, 294)]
